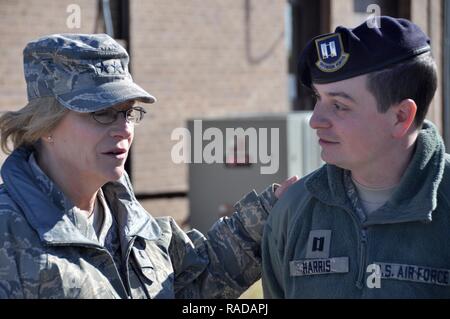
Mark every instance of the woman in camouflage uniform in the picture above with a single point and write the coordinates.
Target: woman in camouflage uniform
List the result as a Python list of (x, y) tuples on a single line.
[(70, 225)]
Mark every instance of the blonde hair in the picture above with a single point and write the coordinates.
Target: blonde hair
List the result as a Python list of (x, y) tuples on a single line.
[(27, 125)]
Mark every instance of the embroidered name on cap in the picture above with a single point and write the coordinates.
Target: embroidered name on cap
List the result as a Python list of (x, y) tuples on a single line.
[(330, 51)]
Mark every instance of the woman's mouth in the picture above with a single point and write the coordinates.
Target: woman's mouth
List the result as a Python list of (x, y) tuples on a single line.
[(119, 153)]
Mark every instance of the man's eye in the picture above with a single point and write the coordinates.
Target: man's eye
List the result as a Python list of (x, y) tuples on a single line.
[(339, 107)]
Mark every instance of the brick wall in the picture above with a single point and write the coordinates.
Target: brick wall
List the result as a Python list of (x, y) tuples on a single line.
[(22, 21), (201, 58)]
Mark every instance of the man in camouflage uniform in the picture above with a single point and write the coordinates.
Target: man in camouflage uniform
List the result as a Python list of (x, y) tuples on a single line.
[(48, 249)]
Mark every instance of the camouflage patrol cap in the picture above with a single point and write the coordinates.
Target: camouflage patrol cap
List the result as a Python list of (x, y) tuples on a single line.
[(84, 72)]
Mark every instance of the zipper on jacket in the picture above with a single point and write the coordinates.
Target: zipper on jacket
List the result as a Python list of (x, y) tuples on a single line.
[(362, 258), (362, 248), (117, 271), (127, 270)]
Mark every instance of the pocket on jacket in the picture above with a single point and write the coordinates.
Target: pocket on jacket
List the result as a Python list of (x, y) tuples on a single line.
[(144, 264)]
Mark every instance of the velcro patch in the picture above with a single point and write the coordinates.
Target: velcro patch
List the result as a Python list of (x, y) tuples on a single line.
[(318, 246), (415, 273), (308, 267)]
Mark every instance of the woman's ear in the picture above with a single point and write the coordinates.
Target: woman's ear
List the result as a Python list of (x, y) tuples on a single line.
[(405, 114), (48, 138)]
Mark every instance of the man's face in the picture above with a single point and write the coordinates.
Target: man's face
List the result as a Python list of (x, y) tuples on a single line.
[(353, 134)]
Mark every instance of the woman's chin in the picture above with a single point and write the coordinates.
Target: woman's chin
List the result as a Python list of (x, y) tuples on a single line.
[(115, 174)]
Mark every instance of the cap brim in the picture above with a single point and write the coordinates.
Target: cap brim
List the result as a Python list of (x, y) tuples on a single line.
[(104, 96)]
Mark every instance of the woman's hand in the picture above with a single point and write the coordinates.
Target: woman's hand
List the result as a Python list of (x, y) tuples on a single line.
[(285, 185)]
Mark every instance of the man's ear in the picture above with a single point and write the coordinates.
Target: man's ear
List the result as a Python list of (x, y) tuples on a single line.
[(405, 113)]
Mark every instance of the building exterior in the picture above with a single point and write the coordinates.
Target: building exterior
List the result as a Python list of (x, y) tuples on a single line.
[(201, 59)]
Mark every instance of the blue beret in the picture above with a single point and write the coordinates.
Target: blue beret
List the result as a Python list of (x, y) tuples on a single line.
[(84, 72), (347, 53)]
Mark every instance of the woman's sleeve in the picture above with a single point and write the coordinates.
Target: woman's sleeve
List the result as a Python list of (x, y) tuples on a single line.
[(225, 262), (10, 280)]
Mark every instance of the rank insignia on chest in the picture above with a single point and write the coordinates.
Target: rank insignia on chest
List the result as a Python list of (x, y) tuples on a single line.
[(318, 245), (317, 259)]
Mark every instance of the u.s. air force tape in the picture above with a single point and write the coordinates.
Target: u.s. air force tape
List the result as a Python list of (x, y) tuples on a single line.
[(415, 273), (308, 267)]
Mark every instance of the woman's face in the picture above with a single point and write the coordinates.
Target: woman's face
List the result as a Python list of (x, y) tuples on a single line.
[(88, 150)]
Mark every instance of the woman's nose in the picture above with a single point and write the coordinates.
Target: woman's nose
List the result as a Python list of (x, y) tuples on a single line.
[(122, 128)]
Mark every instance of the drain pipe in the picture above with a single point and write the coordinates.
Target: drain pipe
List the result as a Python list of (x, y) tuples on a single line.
[(108, 18)]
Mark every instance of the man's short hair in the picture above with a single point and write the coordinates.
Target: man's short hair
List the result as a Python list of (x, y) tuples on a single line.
[(415, 79)]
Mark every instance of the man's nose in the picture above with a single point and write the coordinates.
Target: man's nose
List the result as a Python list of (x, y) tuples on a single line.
[(319, 119)]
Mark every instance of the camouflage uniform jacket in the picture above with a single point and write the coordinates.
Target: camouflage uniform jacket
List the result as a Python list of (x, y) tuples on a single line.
[(44, 255)]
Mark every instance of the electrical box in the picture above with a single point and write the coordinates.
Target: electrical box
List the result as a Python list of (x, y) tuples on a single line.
[(231, 156)]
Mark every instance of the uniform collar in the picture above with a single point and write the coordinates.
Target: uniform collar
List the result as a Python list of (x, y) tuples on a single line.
[(50, 212), (131, 216), (416, 197)]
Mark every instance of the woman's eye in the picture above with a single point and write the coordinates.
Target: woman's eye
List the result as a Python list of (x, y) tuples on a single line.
[(103, 114)]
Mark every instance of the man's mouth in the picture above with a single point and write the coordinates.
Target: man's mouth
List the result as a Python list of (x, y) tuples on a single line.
[(326, 142)]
